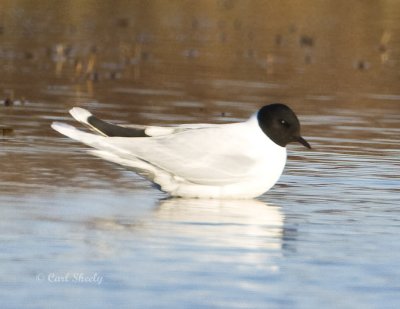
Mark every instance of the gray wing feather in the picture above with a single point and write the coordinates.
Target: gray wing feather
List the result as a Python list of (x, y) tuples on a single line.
[(205, 155)]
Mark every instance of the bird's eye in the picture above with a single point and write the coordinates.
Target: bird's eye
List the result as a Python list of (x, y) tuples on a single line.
[(283, 122)]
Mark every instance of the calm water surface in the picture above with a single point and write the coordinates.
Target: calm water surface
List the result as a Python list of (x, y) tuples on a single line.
[(80, 232)]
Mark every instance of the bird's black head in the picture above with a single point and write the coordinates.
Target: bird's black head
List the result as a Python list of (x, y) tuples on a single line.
[(280, 124)]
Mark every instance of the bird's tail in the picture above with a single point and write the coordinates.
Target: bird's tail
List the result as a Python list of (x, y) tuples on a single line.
[(75, 134), (103, 148), (92, 140), (106, 150)]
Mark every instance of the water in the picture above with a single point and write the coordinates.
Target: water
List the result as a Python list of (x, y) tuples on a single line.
[(78, 231)]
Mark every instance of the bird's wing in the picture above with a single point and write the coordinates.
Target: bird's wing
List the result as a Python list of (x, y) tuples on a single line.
[(213, 156), (159, 131), (216, 155), (109, 129)]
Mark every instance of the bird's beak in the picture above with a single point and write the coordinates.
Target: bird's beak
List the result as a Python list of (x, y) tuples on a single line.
[(303, 142)]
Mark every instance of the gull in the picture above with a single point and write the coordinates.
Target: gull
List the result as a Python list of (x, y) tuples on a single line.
[(223, 161)]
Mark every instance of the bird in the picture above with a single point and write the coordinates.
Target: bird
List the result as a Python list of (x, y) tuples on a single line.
[(240, 160)]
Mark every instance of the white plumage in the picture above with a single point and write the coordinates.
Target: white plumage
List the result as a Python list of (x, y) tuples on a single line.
[(235, 160)]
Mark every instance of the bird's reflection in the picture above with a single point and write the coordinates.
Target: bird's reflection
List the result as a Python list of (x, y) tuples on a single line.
[(250, 226), (240, 223)]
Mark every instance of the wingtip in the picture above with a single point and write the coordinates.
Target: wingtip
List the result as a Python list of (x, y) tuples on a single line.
[(80, 114)]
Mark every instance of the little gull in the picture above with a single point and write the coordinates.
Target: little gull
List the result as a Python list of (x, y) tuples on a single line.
[(234, 160)]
